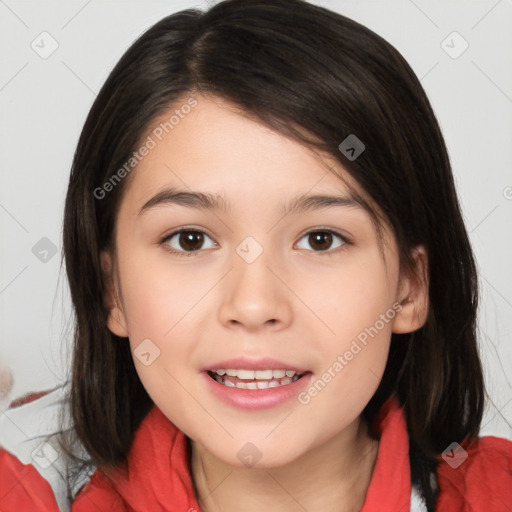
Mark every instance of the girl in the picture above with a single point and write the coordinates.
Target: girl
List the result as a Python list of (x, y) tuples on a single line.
[(274, 291)]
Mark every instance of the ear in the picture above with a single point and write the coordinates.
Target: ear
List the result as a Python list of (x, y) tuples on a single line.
[(116, 321), (413, 296)]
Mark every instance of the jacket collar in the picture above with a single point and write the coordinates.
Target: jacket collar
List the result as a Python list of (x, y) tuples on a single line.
[(159, 478)]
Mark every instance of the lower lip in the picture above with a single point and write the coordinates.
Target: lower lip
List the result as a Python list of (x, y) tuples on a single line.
[(257, 398)]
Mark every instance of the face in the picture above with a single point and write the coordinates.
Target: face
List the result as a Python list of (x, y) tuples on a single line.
[(244, 286)]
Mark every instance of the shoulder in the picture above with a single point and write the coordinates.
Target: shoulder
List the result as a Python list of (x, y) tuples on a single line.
[(478, 477), (33, 469), (22, 487), (158, 445)]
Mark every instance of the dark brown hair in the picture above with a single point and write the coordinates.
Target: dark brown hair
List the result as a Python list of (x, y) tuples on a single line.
[(318, 77)]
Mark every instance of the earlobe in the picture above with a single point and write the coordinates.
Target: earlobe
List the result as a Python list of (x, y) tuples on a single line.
[(116, 321), (413, 296)]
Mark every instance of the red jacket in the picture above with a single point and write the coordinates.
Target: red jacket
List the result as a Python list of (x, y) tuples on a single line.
[(160, 479)]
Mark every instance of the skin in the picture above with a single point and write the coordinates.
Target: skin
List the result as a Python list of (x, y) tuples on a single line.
[(293, 303)]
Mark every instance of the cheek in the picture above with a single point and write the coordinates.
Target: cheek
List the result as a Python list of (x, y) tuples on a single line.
[(356, 310), (163, 304), (349, 298), (158, 294)]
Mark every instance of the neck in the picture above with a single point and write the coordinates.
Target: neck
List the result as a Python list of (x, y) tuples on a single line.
[(333, 477)]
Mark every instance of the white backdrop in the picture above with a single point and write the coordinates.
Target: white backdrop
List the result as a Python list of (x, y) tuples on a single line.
[(56, 55)]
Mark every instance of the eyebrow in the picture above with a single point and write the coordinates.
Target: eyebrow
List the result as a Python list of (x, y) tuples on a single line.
[(218, 202)]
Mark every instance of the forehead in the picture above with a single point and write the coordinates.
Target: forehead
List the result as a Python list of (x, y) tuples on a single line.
[(218, 148)]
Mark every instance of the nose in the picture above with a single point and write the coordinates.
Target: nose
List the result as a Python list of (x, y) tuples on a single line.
[(254, 296)]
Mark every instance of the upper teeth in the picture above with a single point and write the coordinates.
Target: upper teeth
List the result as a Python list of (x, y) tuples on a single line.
[(256, 374)]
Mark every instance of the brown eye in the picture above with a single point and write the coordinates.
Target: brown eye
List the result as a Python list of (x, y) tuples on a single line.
[(186, 241), (190, 240), (321, 241)]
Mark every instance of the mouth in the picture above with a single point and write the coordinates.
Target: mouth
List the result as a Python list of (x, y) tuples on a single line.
[(255, 384), (255, 379)]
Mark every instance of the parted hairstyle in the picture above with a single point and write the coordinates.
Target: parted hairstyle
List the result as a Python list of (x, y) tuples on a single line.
[(316, 76)]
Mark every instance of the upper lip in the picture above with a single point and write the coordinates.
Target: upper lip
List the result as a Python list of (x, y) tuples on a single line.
[(244, 363)]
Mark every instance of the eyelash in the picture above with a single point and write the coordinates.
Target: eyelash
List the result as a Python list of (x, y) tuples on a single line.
[(329, 252)]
